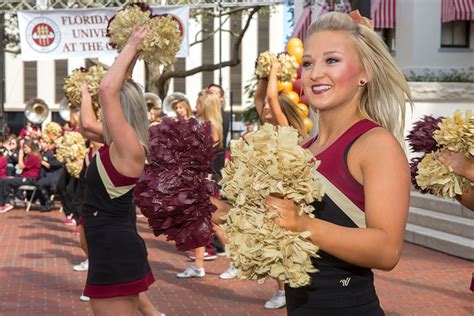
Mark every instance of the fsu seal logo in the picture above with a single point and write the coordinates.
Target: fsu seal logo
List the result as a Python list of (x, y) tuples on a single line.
[(43, 35)]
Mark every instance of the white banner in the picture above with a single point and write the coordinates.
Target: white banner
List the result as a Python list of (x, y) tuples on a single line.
[(63, 34)]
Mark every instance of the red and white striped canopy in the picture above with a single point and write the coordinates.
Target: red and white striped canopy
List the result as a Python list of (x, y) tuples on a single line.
[(457, 10), (383, 13)]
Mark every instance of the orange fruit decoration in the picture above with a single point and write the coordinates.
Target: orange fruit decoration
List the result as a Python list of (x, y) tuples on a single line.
[(293, 96), (308, 124), (303, 108)]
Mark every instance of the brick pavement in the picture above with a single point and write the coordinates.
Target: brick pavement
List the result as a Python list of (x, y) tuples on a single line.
[(37, 252)]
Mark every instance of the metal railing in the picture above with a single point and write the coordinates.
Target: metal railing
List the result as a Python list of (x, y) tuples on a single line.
[(12, 5)]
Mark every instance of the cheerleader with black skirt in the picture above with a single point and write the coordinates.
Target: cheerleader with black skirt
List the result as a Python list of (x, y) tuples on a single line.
[(118, 265)]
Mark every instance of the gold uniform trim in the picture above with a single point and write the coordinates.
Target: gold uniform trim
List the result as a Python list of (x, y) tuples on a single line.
[(343, 202), (112, 190)]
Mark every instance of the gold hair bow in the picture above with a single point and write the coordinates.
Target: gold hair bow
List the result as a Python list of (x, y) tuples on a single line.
[(359, 19)]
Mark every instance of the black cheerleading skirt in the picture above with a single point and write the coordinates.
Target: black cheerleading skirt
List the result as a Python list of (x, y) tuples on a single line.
[(335, 291), (118, 264)]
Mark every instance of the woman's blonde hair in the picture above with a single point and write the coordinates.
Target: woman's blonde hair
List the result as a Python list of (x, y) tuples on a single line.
[(135, 111), (383, 98), (292, 114), (211, 107), (187, 106)]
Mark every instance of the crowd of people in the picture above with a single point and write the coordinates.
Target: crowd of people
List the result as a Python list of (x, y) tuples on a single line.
[(358, 93)]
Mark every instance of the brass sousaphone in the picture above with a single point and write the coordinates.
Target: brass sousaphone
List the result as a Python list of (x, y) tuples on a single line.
[(170, 101), (36, 110), (152, 100), (65, 109)]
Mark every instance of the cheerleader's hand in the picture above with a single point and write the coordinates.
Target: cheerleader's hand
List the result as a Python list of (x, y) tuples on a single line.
[(289, 217), (84, 87), (137, 36), (457, 161), (275, 66)]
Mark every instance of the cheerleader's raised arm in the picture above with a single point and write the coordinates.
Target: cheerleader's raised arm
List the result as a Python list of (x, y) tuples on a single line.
[(125, 145)]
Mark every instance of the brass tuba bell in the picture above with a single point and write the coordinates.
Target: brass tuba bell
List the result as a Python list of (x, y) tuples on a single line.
[(36, 110), (152, 100), (170, 101), (65, 109)]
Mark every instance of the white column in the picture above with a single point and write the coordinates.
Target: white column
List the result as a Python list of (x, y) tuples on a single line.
[(45, 72), (74, 63), (226, 55), (249, 55), (194, 82), (277, 32), (139, 72), (14, 83)]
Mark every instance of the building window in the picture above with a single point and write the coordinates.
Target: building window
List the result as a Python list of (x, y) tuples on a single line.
[(236, 72), (455, 34), (180, 83), (388, 36), (207, 51), (263, 32), (60, 70), (30, 80)]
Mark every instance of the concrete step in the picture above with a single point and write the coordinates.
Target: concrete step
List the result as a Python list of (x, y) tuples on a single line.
[(433, 203), (456, 225), (441, 241)]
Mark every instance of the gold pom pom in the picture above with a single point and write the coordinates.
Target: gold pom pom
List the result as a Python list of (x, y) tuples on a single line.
[(469, 135), (71, 150), (121, 26), (52, 130), (289, 68), (456, 133), (72, 85), (162, 42), (269, 161), (264, 64), (74, 168), (438, 178)]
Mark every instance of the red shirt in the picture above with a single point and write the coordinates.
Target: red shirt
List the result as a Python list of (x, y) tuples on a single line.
[(3, 167), (32, 167)]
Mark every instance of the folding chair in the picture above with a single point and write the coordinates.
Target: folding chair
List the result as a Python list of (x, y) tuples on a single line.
[(32, 189)]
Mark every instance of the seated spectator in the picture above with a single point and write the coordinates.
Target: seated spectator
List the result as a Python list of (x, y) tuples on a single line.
[(3, 163), (51, 170), (12, 148), (29, 159)]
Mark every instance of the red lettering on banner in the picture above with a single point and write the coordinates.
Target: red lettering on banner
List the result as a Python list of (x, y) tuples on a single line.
[(84, 20), (87, 33), (92, 46), (69, 47)]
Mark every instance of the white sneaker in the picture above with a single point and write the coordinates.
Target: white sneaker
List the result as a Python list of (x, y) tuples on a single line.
[(84, 298), (231, 273), (192, 272), (81, 267), (277, 301)]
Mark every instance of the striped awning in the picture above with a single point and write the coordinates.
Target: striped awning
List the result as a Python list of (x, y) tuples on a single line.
[(383, 13), (457, 10)]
